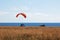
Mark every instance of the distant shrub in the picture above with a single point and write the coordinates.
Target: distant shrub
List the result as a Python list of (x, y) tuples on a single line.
[(42, 25)]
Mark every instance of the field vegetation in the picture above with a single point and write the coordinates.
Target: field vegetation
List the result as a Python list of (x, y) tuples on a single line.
[(29, 33)]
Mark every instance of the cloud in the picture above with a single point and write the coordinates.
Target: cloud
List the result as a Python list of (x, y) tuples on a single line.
[(19, 9), (34, 16), (42, 17), (3, 13)]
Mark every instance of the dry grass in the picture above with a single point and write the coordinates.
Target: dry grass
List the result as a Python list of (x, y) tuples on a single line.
[(29, 33)]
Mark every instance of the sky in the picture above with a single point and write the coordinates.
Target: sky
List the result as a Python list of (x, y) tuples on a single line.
[(35, 10)]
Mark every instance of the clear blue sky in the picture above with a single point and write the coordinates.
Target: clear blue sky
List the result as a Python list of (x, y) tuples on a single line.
[(36, 10)]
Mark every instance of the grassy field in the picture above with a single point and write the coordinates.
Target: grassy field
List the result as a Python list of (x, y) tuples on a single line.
[(29, 33)]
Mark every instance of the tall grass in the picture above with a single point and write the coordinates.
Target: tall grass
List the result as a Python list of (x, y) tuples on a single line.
[(30, 37), (29, 33)]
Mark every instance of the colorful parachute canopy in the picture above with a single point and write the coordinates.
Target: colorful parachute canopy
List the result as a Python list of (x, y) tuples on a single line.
[(24, 15)]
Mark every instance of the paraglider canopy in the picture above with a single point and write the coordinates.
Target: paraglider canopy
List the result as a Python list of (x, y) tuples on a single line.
[(24, 15)]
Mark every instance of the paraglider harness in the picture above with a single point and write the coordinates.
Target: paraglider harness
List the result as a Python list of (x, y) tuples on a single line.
[(22, 25)]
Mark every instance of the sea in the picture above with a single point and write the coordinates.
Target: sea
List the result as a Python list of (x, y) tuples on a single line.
[(29, 24)]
